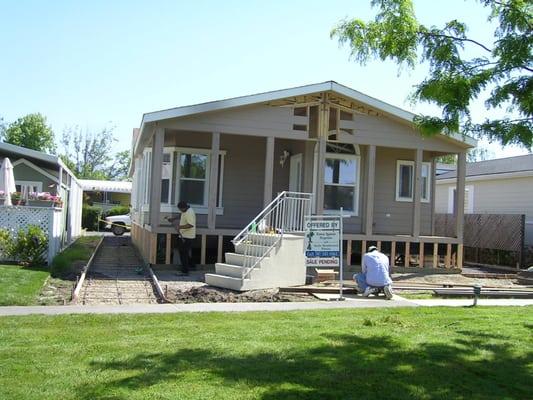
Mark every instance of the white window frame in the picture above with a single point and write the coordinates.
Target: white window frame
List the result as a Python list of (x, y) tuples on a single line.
[(428, 183), (357, 159), (170, 178), (31, 183), (469, 192), (206, 180)]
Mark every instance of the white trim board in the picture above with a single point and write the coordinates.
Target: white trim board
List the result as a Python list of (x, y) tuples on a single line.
[(488, 177)]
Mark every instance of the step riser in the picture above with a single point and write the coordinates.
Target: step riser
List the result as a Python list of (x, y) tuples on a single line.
[(240, 259), (263, 240), (236, 271), (250, 250)]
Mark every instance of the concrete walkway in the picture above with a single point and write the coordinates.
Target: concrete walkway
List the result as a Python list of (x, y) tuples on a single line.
[(349, 303)]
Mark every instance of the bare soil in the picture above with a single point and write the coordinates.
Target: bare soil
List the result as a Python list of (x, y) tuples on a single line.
[(209, 294), (453, 279)]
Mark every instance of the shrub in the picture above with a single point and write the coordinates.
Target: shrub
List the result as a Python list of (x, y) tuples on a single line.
[(29, 247), (90, 216), (6, 244)]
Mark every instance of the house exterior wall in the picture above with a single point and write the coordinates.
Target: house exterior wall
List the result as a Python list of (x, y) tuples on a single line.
[(391, 216), (24, 172), (495, 196)]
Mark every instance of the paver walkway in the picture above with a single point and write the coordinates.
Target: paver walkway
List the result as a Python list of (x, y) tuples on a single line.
[(117, 276)]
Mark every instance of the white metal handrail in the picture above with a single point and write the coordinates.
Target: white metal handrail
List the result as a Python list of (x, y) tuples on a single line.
[(285, 214)]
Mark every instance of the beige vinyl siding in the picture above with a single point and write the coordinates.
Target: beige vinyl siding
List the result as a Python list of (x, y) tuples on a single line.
[(391, 216)]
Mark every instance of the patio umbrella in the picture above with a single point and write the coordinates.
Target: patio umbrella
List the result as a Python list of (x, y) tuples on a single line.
[(7, 181)]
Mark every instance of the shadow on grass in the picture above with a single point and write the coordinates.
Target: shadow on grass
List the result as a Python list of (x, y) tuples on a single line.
[(348, 367)]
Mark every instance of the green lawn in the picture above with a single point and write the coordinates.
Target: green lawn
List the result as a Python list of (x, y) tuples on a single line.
[(20, 286), (430, 353)]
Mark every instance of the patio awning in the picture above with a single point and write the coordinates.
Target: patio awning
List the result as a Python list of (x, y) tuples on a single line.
[(105, 186)]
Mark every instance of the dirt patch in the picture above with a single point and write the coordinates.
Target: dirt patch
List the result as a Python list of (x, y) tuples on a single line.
[(208, 294), (56, 292)]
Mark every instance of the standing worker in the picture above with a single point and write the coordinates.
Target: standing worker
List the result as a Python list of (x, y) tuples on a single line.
[(186, 234)]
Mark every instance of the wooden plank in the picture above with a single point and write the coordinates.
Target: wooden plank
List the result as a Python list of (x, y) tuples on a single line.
[(433, 193), (421, 255), (435, 255), (220, 245), (213, 181), (417, 193), (407, 254), (379, 245), (460, 256), (168, 249), (269, 171), (153, 248), (448, 259), (203, 249), (363, 247), (155, 180), (393, 254), (348, 252), (460, 196), (369, 203)]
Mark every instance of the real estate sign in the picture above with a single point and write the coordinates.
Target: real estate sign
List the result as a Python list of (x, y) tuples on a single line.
[(323, 235)]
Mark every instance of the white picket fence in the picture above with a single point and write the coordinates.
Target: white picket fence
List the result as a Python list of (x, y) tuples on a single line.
[(48, 218)]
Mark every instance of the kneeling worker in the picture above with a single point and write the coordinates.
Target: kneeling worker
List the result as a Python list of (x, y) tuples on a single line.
[(375, 273)]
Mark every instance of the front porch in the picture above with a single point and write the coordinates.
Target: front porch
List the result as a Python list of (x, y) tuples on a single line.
[(381, 173)]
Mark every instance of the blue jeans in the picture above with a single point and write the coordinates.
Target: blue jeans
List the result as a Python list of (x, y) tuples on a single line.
[(360, 279)]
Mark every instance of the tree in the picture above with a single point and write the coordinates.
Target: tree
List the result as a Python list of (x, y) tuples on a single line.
[(32, 132), (2, 128), (88, 154), (501, 74)]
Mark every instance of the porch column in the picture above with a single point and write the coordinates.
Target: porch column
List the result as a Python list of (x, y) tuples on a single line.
[(433, 179), (155, 183), (460, 196), (369, 203), (417, 193), (269, 170), (213, 180), (320, 175)]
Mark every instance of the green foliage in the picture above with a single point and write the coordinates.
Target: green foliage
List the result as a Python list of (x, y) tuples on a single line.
[(6, 244), (29, 247), (502, 75), (88, 154), (32, 132), (67, 264), (90, 216)]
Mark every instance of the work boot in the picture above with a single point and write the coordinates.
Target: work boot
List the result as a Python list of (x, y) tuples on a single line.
[(388, 292)]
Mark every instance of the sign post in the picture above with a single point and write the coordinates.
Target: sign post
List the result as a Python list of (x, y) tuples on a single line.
[(323, 243)]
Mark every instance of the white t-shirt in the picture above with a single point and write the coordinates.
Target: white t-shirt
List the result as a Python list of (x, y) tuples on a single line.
[(188, 217)]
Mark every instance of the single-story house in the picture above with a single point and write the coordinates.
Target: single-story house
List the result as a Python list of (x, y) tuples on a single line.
[(38, 172), (230, 158), (500, 186), (106, 194)]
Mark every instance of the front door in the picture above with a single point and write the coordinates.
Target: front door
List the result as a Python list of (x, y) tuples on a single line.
[(295, 173)]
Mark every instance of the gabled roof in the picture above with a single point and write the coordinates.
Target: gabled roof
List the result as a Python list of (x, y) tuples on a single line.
[(105, 186), (281, 94), (495, 167), (35, 155)]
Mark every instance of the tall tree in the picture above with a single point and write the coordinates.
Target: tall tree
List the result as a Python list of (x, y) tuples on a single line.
[(2, 129), (501, 75), (118, 170), (32, 132)]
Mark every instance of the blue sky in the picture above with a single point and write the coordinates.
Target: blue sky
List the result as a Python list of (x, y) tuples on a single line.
[(101, 63)]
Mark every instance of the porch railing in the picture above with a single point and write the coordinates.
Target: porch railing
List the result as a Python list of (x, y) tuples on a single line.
[(285, 214)]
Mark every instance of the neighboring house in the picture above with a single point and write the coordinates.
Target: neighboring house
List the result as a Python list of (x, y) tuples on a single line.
[(106, 194), (442, 168), (230, 158), (37, 172), (501, 186)]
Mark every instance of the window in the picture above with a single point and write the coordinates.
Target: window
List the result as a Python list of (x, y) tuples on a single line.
[(469, 199), (341, 178), (166, 177), (405, 171), (193, 182)]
